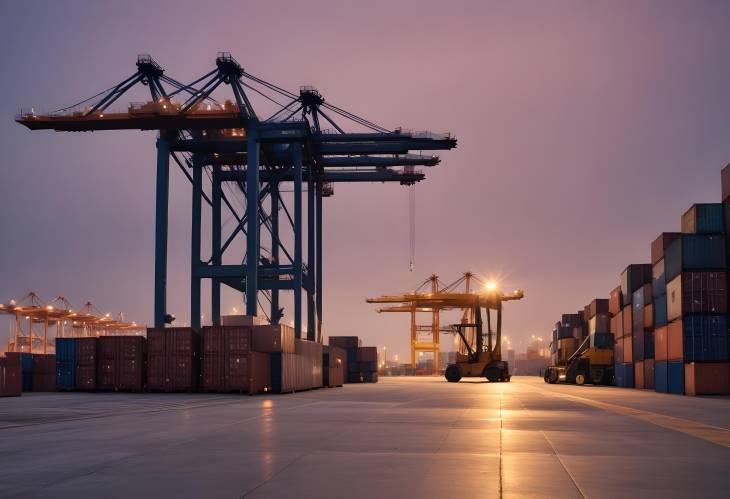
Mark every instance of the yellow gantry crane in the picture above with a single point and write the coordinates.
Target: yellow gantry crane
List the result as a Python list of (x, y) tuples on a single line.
[(35, 318), (432, 296)]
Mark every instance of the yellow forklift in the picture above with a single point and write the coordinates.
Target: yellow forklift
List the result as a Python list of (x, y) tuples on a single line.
[(476, 357), (592, 362)]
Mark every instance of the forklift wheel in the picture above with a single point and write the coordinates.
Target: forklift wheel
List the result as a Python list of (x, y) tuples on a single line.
[(492, 373), (580, 379), (452, 374)]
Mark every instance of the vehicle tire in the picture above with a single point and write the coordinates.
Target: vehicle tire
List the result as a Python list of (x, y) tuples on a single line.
[(580, 379), (597, 376), (493, 373), (553, 376), (452, 374)]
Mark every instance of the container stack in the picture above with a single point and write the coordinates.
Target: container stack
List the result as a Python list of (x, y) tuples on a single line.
[(173, 359), (633, 279), (76, 363), (298, 370), (695, 268), (44, 372), (367, 362), (567, 336), (643, 337), (10, 376), (121, 363), (350, 345)]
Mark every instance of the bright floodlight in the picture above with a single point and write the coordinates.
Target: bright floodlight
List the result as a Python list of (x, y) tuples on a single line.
[(491, 286)]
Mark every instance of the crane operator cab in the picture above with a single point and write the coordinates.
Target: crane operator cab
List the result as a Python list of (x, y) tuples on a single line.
[(479, 353)]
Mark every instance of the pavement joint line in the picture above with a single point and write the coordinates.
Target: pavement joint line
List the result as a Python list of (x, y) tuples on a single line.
[(501, 481), (713, 434), (556, 454)]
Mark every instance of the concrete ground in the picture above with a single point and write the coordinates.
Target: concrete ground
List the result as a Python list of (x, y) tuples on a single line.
[(400, 438)]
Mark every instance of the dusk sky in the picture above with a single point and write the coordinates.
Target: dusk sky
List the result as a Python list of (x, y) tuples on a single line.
[(585, 128)]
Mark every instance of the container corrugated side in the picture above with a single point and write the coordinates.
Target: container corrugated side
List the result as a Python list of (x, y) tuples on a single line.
[(707, 378)]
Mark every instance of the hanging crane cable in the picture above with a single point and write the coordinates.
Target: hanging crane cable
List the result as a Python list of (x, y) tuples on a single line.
[(412, 224)]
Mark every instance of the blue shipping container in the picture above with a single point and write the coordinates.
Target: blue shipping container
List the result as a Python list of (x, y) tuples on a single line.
[(602, 340), (704, 218), (660, 311), (65, 363), (565, 332), (661, 381), (705, 338), (669, 377), (658, 279), (675, 376), (26, 367), (275, 361), (624, 375), (694, 252)]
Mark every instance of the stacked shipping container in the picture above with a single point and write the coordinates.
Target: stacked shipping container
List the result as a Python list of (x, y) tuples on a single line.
[(76, 363), (121, 363), (10, 376), (173, 359)]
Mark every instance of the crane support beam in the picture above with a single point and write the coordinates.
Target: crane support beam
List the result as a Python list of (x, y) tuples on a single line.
[(252, 212), (383, 161), (332, 176), (161, 218)]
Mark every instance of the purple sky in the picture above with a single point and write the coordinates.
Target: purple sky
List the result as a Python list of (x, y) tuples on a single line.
[(585, 128)]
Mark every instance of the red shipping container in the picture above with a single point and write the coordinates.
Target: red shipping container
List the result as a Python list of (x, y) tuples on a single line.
[(649, 374), (86, 363), (259, 372), (675, 341), (699, 292), (707, 379), (225, 361), (121, 363), (367, 354), (628, 316), (273, 338), (288, 375), (173, 359), (615, 301), (660, 244), (309, 364), (11, 376), (661, 344), (44, 372), (337, 365), (639, 383)]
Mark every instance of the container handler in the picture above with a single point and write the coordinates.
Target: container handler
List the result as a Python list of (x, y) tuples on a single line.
[(592, 363), (476, 357)]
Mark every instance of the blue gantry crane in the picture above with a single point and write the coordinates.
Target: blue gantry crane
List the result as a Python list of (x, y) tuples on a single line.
[(247, 157)]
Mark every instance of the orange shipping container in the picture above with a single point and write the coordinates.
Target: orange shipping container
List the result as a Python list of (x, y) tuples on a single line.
[(649, 316), (628, 349), (628, 317), (617, 324), (639, 375), (660, 343), (675, 341), (614, 301), (707, 379)]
